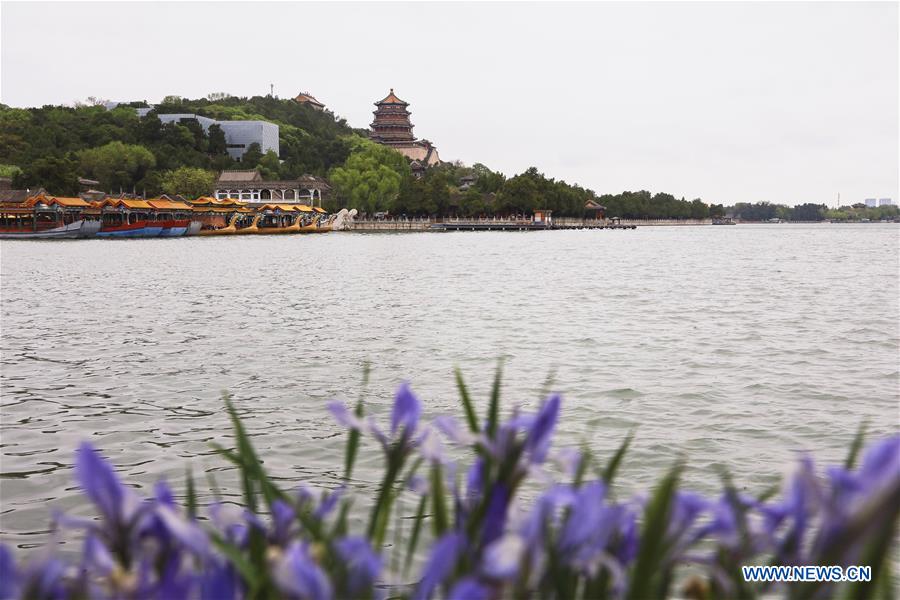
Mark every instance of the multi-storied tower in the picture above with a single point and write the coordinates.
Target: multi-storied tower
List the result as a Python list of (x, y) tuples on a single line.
[(393, 128), (391, 124)]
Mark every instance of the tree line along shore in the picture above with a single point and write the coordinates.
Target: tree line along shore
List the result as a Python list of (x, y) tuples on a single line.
[(51, 147)]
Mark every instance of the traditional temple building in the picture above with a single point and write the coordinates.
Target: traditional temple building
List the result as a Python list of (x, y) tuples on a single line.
[(249, 186), (393, 128), (309, 100)]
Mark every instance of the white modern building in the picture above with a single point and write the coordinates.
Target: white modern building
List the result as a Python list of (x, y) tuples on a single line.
[(239, 135), (871, 202), (886, 202)]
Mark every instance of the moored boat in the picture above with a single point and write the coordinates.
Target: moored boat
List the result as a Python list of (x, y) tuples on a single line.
[(46, 217), (253, 227), (77, 229), (229, 229), (282, 218), (323, 223), (174, 216), (217, 217), (127, 217)]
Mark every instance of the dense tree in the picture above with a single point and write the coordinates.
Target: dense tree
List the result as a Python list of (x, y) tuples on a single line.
[(522, 193), (217, 145), (9, 171), (488, 181), (252, 155), (55, 174), (371, 177), (188, 181), (269, 166), (699, 210), (116, 165), (472, 204), (808, 212)]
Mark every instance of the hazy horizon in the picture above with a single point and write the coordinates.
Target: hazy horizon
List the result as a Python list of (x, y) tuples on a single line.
[(729, 102)]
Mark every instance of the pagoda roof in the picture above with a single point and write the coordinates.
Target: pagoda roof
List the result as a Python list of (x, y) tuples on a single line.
[(391, 98), (248, 175), (305, 97)]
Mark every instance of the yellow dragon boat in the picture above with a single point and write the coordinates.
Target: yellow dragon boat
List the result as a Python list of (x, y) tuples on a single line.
[(229, 229), (252, 228)]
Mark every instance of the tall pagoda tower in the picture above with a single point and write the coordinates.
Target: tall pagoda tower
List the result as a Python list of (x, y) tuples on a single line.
[(393, 128), (392, 124)]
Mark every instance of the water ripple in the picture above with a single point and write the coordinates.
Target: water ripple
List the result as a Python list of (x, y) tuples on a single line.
[(738, 347)]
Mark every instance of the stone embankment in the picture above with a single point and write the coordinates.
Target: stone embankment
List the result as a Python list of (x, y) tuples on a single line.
[(491, 224)]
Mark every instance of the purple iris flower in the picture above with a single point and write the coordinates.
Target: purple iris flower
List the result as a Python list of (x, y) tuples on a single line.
[(503, 557), (344, 416), (298, 575), (283, 518), (188, 533), (590, 528), (881, 462), (9, 577), (454, 431), (798, 506), (233, 522), (163, 493), (362, 563), (174, 582), (495, 515), (117, 503), (686, 508), (474, 479), (469, 588), (441, 563), (586, 516), (723, 524), (404, 417), (540, 434), (406, 411), (329, 502), (41, 578), (430, 446), (219, 582), (549, 503), (626, 546), (96, 556)]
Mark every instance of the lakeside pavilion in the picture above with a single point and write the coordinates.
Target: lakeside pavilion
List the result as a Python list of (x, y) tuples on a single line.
[(249, 186), (392, 127)]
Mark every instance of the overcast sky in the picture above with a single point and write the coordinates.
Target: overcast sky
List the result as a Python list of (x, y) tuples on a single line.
[(730, 102)]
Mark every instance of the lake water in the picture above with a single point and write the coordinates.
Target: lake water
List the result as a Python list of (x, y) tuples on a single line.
[(737, 347)]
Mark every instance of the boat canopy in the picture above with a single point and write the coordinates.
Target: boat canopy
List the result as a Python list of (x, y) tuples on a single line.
[(287, 207), (59, 201), (319, 209), (161, 204), (129, 203)]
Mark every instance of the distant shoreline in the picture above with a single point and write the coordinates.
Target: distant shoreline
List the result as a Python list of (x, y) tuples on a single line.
[(564, 224)]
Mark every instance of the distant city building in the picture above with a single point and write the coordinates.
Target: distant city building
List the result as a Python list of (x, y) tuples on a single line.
[(885, 202), (250, 187), (392, 127), (239, 135), (307, 99), (871, 202)]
